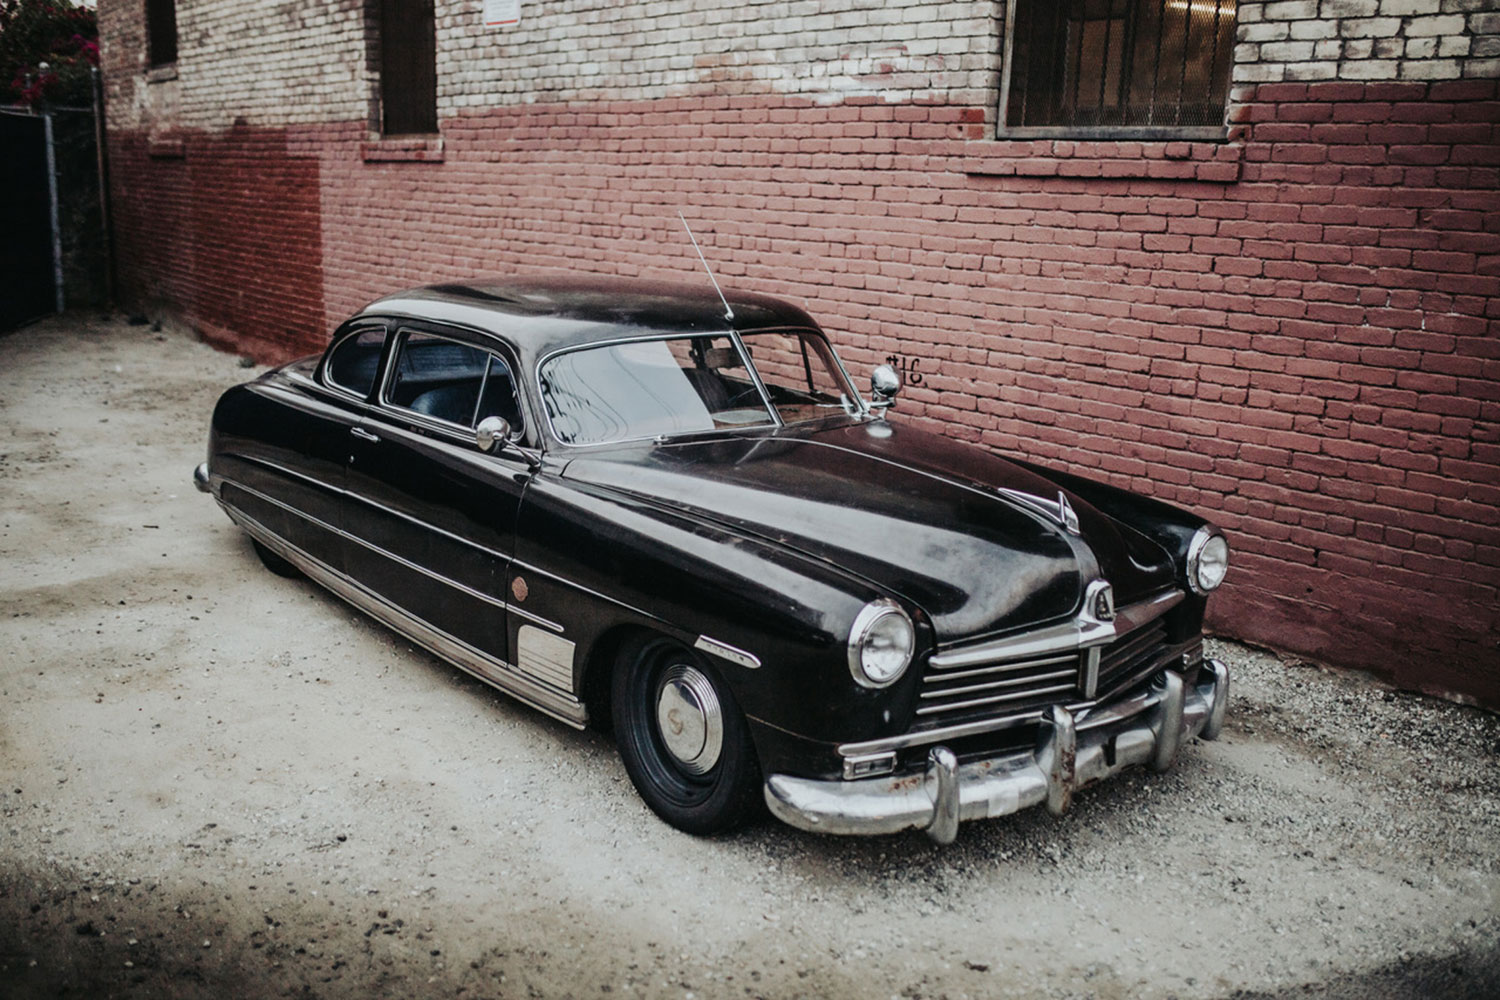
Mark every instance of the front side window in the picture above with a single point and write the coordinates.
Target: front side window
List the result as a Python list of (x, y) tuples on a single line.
[(1119, 63), (453, 382)]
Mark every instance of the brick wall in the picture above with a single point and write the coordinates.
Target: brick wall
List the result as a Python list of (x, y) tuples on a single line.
[(1304, 40), (1293, 331), (251, 62)]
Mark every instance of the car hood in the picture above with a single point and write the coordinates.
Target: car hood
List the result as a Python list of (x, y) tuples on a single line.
[(915, 513)]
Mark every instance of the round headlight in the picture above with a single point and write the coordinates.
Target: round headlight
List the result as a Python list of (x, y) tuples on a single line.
[(881, 643), (1208, 560)]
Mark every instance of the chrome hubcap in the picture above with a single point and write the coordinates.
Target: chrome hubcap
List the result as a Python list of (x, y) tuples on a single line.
[(689, 719)]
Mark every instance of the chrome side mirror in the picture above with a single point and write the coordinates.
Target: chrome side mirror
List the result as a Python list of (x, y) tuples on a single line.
[(884, 385), (491, 433)]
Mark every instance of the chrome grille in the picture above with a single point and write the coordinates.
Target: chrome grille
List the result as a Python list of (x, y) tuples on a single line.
[(1129, 654), (1024, 684), (998, 688)]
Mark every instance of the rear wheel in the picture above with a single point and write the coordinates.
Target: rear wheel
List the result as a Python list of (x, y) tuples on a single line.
[(683, 739), (275, 563)]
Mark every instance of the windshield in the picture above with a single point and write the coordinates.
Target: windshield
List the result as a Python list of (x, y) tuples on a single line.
[(679, 385)]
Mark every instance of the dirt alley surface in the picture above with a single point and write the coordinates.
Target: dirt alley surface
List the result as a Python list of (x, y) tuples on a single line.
[(220, 783)]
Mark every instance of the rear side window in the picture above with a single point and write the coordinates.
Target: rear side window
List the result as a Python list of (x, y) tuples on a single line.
[(355, 362)]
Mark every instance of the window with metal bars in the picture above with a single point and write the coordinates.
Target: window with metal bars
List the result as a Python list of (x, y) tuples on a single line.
[(161, 31), (1118, 66)]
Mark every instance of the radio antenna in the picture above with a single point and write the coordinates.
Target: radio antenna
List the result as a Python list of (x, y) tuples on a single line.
[(728, 312)]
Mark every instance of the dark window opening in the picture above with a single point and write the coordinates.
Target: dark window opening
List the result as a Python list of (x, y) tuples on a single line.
[(354, 364), (408, 67), (457, 383), (1120, 63), (161, 31)]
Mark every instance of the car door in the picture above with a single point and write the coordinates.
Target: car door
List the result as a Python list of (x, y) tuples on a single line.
[(431, 516)]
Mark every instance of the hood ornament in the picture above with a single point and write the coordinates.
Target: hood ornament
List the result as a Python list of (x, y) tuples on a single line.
[(1065, 513), (1060, 511)]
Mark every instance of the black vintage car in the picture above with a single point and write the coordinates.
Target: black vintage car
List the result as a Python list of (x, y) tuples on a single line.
[(639, 505)]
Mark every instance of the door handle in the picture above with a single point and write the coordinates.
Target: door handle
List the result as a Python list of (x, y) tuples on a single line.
[(364, 435)]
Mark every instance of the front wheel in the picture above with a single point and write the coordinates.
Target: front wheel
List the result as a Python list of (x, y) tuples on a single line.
[(684, 741)]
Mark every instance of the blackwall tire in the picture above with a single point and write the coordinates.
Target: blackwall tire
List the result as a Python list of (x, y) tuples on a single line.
[(683, 739), (275, 563)]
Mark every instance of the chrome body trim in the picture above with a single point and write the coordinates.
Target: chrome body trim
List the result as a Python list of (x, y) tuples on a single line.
[(1068, 756), (345, 494), (495, 672), (869, 765), (725, 651), (340, 491), (201, 481), (545, 657), (1082, 632), (463, 588)]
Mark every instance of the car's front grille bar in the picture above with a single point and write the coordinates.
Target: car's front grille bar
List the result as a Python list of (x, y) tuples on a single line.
[(998, 684), (956, 689), (1122, 658), (1009, 687)]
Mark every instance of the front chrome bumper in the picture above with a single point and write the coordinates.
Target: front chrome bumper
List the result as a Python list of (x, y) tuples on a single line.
[(1147, 728)]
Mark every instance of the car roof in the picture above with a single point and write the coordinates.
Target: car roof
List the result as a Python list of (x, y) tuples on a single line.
[(542, 314)]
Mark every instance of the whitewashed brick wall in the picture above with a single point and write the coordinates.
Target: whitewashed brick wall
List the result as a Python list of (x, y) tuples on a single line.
[(261, 62), (1306, 40), (279, 62), (896, 50)]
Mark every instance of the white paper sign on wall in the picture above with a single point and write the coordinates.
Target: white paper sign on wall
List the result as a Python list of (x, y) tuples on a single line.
[(502, 13)]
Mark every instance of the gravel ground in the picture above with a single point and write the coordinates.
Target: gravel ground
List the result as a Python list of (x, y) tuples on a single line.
[(219, 783)]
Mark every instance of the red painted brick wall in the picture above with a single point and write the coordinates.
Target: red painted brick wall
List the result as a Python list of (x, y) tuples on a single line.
[(1294, 333), (224, 232)]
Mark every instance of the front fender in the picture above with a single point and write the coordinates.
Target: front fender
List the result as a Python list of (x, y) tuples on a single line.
[(604, 559)]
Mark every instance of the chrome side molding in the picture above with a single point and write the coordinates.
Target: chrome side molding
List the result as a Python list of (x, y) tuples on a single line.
[(725, 651), (494, 672)]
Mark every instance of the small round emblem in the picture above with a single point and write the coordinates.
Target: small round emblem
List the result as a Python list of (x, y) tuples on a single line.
[(519, 588)]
